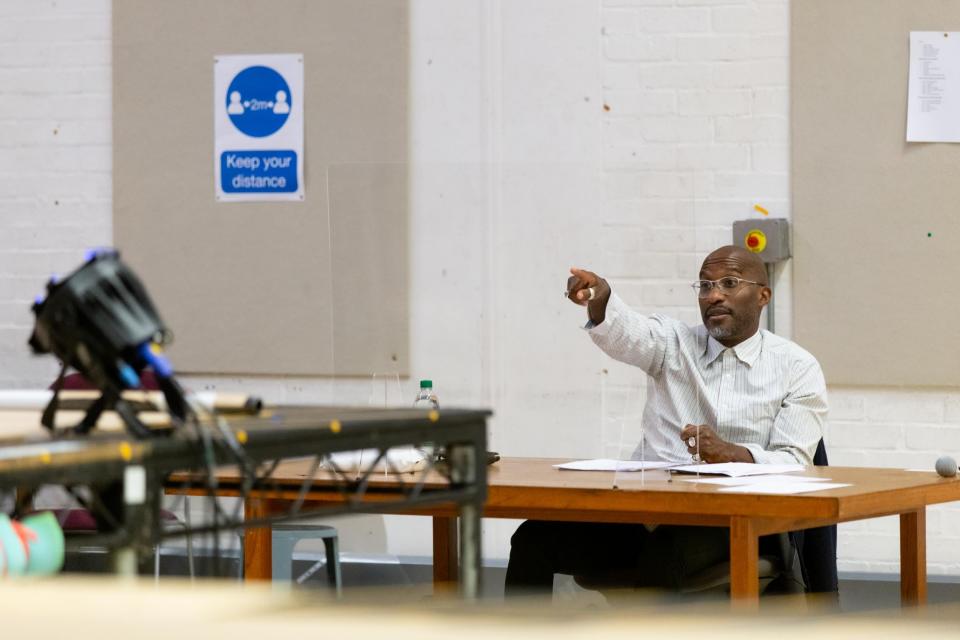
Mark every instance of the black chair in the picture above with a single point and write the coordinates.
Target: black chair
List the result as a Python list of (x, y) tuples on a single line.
[(817, 547)]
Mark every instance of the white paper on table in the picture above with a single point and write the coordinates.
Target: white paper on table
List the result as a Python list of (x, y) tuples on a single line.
[(606, 464), (738, 469), (745, 480), (933, 100), (397, 460), (784, 488)]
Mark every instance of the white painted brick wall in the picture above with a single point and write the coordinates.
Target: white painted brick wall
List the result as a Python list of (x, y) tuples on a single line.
[(55, 158), (672, 119)]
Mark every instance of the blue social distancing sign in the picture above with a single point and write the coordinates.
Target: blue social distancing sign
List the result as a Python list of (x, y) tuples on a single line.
[(259, 127)]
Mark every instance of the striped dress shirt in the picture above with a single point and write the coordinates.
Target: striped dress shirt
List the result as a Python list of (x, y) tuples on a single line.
[(766, 394)]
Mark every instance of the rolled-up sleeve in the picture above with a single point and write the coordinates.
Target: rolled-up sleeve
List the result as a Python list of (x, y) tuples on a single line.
[(631, 337)]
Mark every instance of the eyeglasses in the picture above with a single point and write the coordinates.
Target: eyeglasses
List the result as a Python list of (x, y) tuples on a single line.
[(725, 285)]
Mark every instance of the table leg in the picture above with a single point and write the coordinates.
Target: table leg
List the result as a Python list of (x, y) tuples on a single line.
[(141, 512), (257, 542), (913, 557), (465, 470), (446, 563), (744, 550), (470, 556)]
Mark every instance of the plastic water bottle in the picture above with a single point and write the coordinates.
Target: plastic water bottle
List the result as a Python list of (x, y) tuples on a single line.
[(426, 398)]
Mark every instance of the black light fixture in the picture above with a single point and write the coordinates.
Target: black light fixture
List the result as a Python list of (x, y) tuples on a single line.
[(101, 321)]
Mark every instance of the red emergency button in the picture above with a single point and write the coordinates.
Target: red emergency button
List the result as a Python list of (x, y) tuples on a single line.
[(755, 241)]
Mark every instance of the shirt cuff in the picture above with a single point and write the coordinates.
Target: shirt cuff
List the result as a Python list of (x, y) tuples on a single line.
[(760, 455), (611, 315)]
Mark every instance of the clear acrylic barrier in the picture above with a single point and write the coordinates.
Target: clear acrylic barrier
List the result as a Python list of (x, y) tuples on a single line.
[(652, 427), (489, 247), (387, 391)]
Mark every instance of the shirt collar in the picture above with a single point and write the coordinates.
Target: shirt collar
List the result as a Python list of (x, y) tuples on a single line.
[(747, 351)]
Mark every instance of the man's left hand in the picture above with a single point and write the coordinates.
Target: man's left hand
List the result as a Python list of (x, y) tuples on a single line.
[(712, 448)]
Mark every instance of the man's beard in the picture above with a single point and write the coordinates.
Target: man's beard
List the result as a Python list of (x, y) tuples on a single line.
[(730, 326), (719, 333)]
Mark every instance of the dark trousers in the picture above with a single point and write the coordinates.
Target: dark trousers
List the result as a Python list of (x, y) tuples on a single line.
[(662, 558)]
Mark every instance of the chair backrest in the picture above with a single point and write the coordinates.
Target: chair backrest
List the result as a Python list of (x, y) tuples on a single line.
[(817, 548), (820, 455), (76, 381)]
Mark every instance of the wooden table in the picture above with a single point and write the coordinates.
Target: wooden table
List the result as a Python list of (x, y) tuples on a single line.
[(530, 488)]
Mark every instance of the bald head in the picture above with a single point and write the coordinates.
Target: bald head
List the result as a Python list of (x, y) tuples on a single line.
[(732, 314), (739, 261)]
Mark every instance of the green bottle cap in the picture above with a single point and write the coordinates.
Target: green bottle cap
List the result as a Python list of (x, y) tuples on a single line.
[(426, 384)]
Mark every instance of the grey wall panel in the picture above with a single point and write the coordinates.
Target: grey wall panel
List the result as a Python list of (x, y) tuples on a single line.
[(876, 219), (310, 288)]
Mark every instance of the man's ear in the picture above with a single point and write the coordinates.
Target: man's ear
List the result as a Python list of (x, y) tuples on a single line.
[(765, 294)]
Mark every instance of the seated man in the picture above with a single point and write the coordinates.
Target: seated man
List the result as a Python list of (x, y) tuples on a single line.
[(724, 392)]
